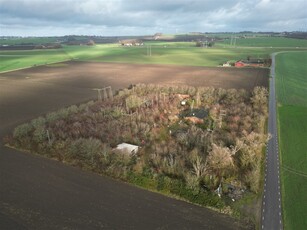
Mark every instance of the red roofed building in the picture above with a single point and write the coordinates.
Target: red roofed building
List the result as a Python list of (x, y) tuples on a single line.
[(250, 63)]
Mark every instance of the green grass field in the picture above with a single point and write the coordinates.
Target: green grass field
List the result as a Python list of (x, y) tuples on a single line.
[(267, 42), (291, 70), (11, 60), (291, 85), (171, 54), (166, 53), (190, 56), (175, 53)]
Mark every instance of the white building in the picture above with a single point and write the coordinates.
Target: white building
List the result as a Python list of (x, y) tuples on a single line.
[(127, 148)]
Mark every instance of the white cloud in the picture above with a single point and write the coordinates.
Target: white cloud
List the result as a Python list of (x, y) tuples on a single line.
[(116, 17)]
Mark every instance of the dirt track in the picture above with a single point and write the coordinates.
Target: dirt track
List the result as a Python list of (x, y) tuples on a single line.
[(38, 193)]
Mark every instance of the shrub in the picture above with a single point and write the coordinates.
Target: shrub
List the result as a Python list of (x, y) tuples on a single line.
[(85, 149), (40, 134), (133, 102), (22, 131), (38, 122)]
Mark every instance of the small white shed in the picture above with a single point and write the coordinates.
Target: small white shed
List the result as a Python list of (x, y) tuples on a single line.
[(127, 148)]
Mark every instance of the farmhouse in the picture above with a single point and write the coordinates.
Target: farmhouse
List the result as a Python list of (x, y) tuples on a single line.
[(227, 64), (127, 148), (250, 63), (131, 42)]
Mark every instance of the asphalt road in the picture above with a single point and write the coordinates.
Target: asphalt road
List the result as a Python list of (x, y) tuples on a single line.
[(39, 193), (271, 203)]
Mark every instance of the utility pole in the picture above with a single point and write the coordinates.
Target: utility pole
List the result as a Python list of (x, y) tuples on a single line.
[(149, 50)]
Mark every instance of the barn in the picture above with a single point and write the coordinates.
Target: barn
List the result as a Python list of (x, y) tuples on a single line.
[(250, 63)]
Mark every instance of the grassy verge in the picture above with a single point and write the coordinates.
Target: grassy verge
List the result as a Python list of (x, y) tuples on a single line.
[(292, 112)]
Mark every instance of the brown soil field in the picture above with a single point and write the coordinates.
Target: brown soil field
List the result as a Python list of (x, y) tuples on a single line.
[(92, 74)]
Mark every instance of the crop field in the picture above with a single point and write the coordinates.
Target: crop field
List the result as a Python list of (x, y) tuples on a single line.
[(121, 75), (267, 42), (178, 56), (161, 53), (291, 83), (11, 60)]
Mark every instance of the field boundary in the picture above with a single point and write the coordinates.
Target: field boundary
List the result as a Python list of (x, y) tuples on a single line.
[(28, 67)]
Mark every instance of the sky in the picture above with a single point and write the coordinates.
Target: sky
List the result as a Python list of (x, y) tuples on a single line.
[(147, 17)]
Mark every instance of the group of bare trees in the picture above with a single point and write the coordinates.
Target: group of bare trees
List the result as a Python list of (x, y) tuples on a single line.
[(221, 148)]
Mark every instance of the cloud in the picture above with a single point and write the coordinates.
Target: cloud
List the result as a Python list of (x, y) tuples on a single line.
[(116, 17)]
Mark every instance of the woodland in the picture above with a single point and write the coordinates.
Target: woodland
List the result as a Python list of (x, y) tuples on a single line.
[(209, 159)]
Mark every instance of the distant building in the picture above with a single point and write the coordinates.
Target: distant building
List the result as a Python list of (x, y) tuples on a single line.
[(250, 63), (127, 148), (227, 64), (131, 42)]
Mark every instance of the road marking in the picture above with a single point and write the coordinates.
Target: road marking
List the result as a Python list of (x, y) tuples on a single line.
[(263, 202)]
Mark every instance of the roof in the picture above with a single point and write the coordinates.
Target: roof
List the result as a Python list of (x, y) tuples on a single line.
[(127, 148), (253, 61), (199, 113)]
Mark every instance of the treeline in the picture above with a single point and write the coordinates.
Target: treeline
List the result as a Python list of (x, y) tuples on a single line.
[(176, 155)]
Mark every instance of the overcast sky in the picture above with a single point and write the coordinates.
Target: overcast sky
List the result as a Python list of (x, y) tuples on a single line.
[(143, 17)]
